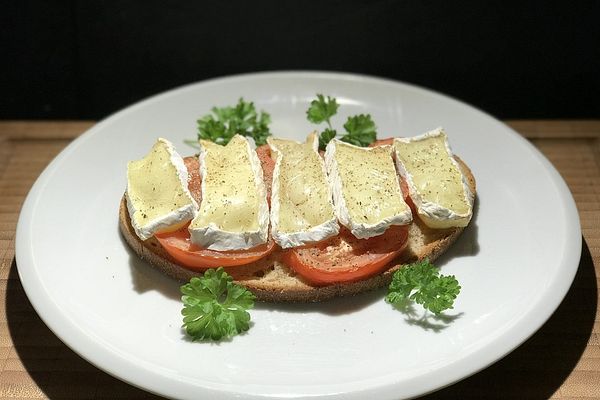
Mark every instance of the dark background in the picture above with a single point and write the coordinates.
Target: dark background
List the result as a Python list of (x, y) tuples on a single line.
[(70, 59)]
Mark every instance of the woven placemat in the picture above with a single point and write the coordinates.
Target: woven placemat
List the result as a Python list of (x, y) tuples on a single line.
[(562, 360)]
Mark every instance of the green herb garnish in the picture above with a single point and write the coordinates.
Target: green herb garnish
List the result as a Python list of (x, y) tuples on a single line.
[(360, 129), (422, 283), (243, 119), (325, 137), (215, 307), (322, 109)]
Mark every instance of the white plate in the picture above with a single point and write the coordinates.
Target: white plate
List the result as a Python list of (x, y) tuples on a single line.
[(515, 262)]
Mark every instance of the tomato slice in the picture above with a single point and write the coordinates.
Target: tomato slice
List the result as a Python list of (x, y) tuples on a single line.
[(179, 245), (181, 248), (381, 142), (194, 180), (268, 165), (345, 258)]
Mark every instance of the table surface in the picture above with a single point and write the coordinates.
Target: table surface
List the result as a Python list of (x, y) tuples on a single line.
[(560, 361)]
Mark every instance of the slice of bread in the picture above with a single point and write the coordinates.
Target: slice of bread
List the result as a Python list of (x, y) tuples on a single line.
[(271, 280)]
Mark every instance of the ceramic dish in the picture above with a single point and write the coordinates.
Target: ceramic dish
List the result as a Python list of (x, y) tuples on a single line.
[(515, 261)]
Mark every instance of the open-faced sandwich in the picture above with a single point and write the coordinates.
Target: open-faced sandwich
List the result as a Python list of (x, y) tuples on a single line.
[(291, 223)]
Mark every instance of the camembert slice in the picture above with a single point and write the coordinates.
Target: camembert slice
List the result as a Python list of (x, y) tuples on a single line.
[(436, 184), (301, 205), (366, 192), (157, 195), (234, 214)]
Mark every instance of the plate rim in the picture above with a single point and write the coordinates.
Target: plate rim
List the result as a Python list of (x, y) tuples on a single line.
[(109, 361)]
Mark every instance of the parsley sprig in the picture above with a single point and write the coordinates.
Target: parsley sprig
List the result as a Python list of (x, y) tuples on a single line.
[(360, 129), (215, 307), (243, 119), (422, 283)]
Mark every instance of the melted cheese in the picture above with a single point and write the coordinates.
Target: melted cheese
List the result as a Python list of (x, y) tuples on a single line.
[(234, 214), (301, 206), (157, 195), (366, 190), (436, 184)]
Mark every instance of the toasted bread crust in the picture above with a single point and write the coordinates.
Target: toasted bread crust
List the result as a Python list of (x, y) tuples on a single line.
[(272, 281)]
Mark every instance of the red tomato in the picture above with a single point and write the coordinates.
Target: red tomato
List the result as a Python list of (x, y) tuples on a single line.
[(194, 181), (381, 142), (268, 164), (179, 245), (345, 258)]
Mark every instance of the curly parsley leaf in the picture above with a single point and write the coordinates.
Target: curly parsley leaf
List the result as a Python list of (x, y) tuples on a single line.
[(325, 137), (214, 130), (243, 119), (322, 109), (422, 283), (361, 130), (215, 307)]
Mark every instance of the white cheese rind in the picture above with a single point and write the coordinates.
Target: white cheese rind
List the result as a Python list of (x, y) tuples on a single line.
[(433, 214), (172, 217), (211, 235), (316, 233), (362, 230)]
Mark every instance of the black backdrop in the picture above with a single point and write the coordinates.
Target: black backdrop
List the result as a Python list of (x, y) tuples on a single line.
[(514, 59)]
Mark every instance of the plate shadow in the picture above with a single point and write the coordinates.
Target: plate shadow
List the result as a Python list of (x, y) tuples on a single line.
[(537, 368), (58, 371)]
